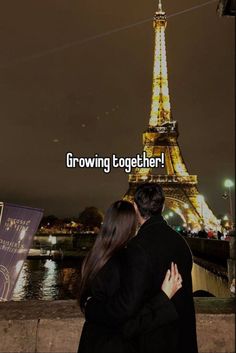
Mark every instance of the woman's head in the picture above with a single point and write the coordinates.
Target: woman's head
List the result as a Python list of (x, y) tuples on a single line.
[(119, 225)]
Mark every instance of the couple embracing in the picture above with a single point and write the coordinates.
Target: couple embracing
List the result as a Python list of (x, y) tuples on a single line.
[(136, 286)]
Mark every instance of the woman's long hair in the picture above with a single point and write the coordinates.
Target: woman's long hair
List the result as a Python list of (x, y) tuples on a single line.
[(118, 227)]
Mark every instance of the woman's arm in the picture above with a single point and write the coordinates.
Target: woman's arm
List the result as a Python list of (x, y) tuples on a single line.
[(159, 311), (135, 280)]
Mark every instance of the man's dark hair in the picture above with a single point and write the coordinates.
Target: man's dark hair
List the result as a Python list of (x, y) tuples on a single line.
[(149, 198)]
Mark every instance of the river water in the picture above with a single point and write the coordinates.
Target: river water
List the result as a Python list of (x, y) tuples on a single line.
[(48, 280)]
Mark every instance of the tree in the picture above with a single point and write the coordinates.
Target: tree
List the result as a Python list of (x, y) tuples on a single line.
[(90, 218), (48, 220)]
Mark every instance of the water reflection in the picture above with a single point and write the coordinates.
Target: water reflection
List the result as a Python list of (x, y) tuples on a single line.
[(49, 280)]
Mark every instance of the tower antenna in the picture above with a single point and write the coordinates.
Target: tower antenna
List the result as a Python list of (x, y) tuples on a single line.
[(159, 6)]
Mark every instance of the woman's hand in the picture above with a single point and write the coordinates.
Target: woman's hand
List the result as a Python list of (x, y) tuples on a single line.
[(172, 282)]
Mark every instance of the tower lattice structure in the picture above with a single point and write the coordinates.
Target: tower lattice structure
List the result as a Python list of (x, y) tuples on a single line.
[(181, 188)]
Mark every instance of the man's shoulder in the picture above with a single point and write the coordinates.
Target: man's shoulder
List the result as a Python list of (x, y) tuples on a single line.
[(159, 236), (153, 232), (135, 244)]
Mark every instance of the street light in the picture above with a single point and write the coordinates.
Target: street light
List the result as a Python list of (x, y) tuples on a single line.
[(229, 184)]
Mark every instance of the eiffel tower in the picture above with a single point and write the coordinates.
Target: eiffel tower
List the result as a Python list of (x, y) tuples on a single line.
[(181, 188)]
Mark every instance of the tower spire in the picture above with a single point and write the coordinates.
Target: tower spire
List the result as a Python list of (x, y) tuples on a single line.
[(159, 6), (160, 108)]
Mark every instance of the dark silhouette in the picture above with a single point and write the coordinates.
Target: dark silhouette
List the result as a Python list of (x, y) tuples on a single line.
[(101, 279), (90, 218), (146, 260), (202, 234), (119, 227)]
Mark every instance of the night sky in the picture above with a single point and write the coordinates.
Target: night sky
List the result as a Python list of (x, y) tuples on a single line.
[(64, 89)]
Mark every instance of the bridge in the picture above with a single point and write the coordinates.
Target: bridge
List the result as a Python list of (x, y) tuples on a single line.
[(214, 265)]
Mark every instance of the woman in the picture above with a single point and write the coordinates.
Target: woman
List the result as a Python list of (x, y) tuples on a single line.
[(101, 278)]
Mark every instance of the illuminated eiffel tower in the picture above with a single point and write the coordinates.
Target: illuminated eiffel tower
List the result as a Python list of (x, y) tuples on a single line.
[(182, 195)]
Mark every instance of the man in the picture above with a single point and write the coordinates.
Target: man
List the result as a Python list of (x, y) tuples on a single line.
[(147, 258)]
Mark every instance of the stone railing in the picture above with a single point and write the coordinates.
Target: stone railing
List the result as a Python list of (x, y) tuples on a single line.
[(41, 326)]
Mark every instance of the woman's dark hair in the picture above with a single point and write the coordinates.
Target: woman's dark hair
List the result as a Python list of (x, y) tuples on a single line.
[(149, 198), (118, 227)]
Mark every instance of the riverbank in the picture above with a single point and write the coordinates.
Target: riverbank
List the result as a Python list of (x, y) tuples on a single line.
[(56, 254)]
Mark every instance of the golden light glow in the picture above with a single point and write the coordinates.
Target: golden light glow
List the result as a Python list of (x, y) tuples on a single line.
[(178, 163), (200, 198), (160, 109), (182, 195)]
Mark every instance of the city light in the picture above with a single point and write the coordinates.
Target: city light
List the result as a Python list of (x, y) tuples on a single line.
[(228, 183), (200, 198)]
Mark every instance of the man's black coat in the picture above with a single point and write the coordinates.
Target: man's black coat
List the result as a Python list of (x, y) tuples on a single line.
[(148, 256)]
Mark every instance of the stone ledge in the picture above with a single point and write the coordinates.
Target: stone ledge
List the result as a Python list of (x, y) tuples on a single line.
[(41, 326), (214, 305), (58, 309), (35, 309)]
